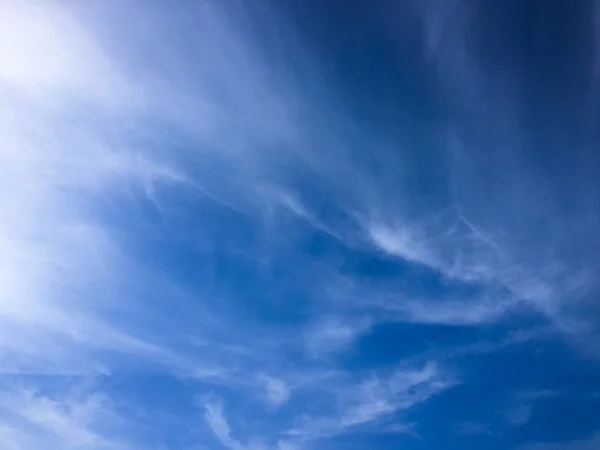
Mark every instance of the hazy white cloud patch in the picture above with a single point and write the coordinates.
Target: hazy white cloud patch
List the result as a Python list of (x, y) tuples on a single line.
[(74, 418), (80, 132), (278, 391), (477, 311), (333, 335), (50, 58), (405, 243), (219, 425)]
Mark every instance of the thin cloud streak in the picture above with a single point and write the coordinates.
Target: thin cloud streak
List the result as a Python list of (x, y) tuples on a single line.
[(375, 398), (219, 425), (33, 420)]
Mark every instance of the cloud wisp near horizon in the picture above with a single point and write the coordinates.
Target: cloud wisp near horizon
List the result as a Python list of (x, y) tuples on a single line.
[(299, 225)]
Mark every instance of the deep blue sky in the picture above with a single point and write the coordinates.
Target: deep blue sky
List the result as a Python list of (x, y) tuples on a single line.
[(302, 224)]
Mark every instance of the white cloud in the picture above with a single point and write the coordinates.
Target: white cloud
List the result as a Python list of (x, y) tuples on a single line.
[(85, 420), (404, 243), (47, 55), (56, 166), (465, 255), (82, 128), (216, 420), (332, 335), (451, 312), (278, 391), (372, 399)]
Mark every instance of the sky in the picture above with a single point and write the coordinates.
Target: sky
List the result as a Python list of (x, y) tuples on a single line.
[(299, 224)]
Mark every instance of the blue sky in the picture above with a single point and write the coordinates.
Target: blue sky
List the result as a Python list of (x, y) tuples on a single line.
[(285, 225)]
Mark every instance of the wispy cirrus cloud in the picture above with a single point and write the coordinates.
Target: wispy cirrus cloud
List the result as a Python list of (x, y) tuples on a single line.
[(174, 203), (368, 401), (53, 165), (278, 392), (68, 419), (74, 126), (344, 404), (329, 336), (219, 425)]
